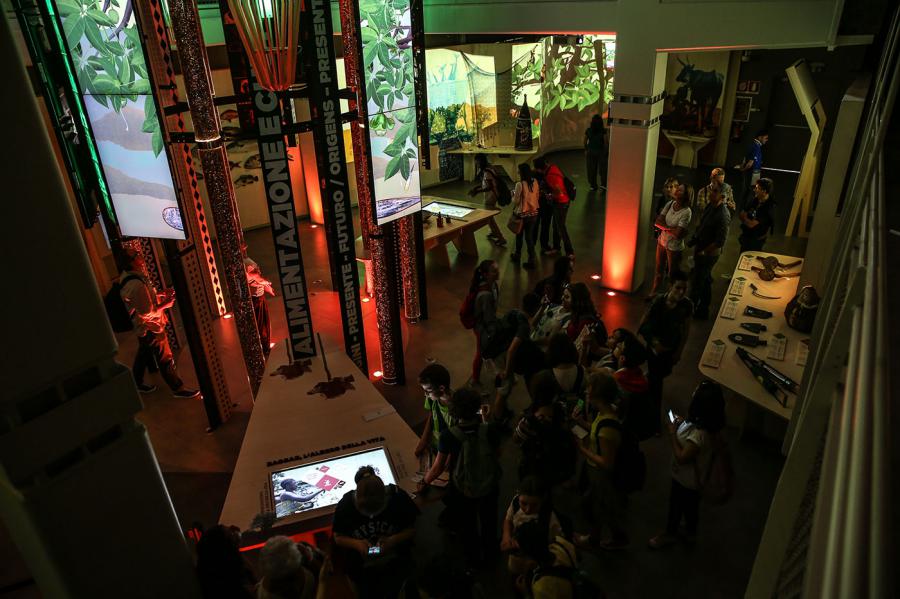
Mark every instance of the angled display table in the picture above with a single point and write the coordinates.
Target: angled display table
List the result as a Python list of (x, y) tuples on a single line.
[(731, 371), (466, 218), (290, 427)]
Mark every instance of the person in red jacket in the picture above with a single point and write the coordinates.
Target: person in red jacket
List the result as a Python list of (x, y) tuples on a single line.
[(555, 182)]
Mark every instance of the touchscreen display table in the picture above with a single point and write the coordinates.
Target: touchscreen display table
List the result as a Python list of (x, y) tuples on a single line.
[(465, 219), (315, 441)]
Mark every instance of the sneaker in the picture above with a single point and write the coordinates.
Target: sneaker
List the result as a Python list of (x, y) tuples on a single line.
[(499, 241), (144, 388), (662, 540), (187, 393)]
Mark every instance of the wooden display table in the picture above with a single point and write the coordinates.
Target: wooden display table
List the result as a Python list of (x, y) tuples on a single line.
[(506, 156), (732, 372), (460, 231), (686, 147), (287, 422)]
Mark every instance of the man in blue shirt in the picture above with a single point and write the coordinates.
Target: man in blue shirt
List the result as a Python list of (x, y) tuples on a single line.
[(751, 166)]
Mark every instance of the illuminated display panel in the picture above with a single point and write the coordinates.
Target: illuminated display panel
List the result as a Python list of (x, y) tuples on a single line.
[(105, 48), (322, 484), (385, 29)]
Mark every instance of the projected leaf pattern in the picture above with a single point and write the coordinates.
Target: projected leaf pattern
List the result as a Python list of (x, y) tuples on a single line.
[(387, 56), (109, 61)]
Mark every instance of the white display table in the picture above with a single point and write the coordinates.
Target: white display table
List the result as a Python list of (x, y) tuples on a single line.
[(460, 231), (686, 147), (287, 422), (506, 156), (732, 372)]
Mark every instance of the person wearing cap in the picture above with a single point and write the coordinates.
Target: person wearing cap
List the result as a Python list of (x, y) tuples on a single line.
[(374, 525), (147, 309), (717, 187)]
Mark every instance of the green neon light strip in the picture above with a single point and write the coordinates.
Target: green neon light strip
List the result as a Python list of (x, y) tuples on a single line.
[(80, 110)]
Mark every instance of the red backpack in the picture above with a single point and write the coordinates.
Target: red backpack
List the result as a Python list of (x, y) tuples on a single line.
[(467, 310)]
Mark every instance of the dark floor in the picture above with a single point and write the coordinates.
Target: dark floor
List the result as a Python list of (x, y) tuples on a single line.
[(197, 465)]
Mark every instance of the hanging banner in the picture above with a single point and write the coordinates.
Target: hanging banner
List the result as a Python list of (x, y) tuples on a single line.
[(328, 135), (280, 199)]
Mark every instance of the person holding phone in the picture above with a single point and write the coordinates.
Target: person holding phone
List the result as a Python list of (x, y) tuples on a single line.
[(374, 526), (691, 440)]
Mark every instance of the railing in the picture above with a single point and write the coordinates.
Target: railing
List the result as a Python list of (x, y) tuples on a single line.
[(828, 532)]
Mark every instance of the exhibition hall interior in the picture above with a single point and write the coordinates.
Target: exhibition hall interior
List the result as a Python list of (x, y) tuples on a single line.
[(450, 299)]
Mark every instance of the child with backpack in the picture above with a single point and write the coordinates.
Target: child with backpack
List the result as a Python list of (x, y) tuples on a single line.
[(612, 466), (700, 463), (470, 450), (530, 508), (496, 195)]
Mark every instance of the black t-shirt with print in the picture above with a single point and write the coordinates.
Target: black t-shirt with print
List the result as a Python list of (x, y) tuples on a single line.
[(399, 514), (664, 323), (762, 213)]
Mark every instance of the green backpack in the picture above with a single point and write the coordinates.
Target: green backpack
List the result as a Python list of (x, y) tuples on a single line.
[(477, 469)]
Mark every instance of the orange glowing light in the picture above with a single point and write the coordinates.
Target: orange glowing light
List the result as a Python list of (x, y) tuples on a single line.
[(366, 300), (611, 293), (228, 315), (595, 277), (377, 374), (271, 345), (314, 226)]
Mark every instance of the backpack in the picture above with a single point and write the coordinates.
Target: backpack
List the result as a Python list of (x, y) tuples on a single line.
[(504, 195), (467, 309), (630, 469), (582, 586), (717, 486), (571, 190), (118, 313), (477, 469)]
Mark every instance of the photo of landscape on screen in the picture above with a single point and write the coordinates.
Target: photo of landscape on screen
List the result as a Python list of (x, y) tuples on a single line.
[(105, 47)]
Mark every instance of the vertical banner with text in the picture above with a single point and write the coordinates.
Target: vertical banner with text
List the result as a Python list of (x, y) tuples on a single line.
[(321, 77), (280, 199)]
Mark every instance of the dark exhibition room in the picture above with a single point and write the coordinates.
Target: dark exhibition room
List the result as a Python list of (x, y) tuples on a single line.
[(450, 299)]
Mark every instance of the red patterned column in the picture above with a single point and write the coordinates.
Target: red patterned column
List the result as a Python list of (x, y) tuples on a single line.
[(386, 301), (406, 241), (207, 132)]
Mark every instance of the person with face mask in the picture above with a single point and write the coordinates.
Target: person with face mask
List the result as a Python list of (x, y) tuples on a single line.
[(374, 525)]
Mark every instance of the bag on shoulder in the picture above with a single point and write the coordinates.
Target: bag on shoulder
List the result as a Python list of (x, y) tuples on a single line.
[(116, 310), (467, 309), (630, 469), (477, 469), (504, 195), (717, 483), (515, 223), (571, 190)]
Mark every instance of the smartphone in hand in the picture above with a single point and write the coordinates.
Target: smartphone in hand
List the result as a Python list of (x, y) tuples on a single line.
[(671, 416), (579, 432), (375, 550)]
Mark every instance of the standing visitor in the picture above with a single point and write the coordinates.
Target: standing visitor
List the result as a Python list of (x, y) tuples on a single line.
[(482, 301), (526, 199), (692, 439), (435, 382), (259, 287), (751, 166), (489, 182), (673, 222), (665, 328), (708, 240), (471, 450), (606, 500), (756, 217), (595, 151), (148, 316), (716, 186), (556, 184)]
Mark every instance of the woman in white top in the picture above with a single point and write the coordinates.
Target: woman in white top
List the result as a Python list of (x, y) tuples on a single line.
[(526, 197), (692, 440), (673, 221)]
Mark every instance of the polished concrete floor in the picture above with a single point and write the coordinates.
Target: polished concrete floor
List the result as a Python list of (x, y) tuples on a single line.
[(197, 464)]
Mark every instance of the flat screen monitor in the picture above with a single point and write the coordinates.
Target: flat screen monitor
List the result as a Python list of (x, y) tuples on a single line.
[(451, 210), (319, 485)]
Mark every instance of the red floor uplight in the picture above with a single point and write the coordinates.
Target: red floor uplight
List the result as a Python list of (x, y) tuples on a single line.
[(611, 293), (314, 226), (377, 374), (366, 300), (595, 277), (228, 315)]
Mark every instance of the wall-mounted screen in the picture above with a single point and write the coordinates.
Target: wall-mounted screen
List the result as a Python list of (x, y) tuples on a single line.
[(105, 47), (385, 29), (322, 484)]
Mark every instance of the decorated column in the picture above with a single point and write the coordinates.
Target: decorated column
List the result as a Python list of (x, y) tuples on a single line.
[(207, 132)]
